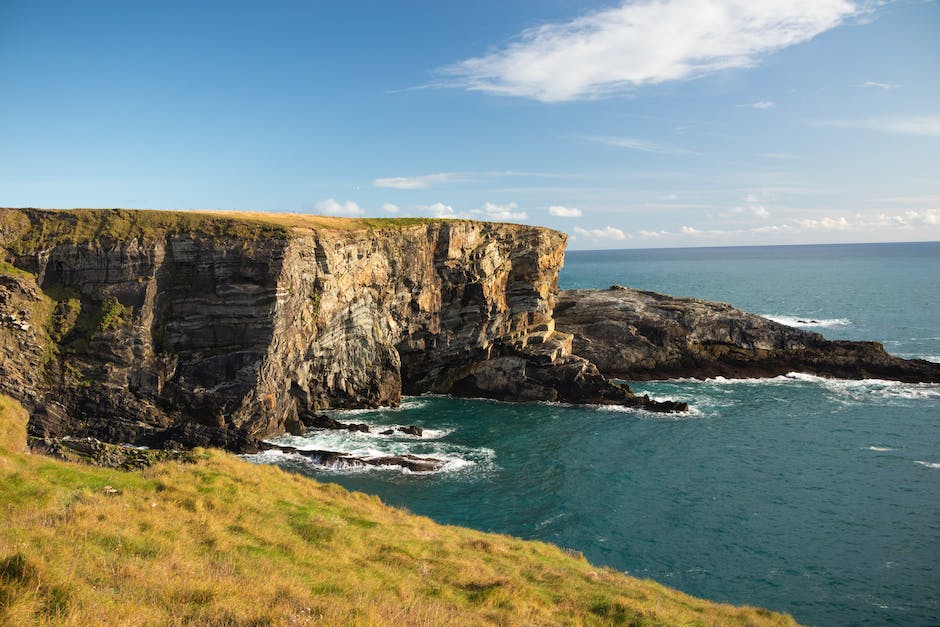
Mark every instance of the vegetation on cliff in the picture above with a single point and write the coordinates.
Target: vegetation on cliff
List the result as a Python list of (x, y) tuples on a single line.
[(25, 230), (221, 541)]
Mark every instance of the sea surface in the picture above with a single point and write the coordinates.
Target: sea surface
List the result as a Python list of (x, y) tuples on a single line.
[(811, 496)]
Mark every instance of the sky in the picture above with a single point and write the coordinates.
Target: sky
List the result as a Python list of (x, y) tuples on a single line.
[(652, 123)]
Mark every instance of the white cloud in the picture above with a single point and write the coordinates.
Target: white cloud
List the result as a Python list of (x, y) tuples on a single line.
[(332, 207), (653, 234), (565, 212), (391, 208), (606, 233), (760, 104), (425, 181), (639, 144), (437, 210), (493, 211), (644, 42), (923, 125), (855, 223), (878, 85), (824, 224)]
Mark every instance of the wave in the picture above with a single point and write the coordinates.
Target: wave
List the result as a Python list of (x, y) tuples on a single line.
[(383, 440), (934, 465), (880, 449), (808, 321), (867, 389), (452, 462), (708, 394), (694, 410)]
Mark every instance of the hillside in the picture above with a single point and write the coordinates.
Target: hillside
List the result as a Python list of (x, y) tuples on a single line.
[(221, 541)]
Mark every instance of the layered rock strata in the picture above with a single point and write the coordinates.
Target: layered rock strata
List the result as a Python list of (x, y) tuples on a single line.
[(639, 335), (159, 329)]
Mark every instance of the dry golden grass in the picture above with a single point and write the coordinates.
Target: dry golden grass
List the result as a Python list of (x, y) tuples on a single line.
[(224, 542), (25, 231)]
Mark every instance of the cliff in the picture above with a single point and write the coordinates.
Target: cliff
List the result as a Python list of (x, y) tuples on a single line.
[(639, 335), (163, 328)]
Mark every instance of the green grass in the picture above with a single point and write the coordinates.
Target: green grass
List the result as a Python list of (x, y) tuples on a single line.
[(23, 231), (221, 541)]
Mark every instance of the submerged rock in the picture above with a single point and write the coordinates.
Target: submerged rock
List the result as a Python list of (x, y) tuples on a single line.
[(321, 421), (340, 460)]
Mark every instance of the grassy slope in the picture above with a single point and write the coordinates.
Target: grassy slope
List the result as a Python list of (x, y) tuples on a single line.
[(222, 541)]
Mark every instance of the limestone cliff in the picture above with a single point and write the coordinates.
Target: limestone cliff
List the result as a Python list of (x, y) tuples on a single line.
[(161, 327), (639, 335)]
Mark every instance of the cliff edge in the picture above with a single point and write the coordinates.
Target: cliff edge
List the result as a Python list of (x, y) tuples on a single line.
[(185, 328)]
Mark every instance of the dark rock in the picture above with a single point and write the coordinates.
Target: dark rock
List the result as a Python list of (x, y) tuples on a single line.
[(387, 432), (208, 337), (412, 430), (321, 421), (97, 453), (638, 335)]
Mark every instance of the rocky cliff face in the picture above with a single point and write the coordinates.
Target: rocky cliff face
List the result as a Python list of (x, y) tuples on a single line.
[(157, 328), (638, 335)]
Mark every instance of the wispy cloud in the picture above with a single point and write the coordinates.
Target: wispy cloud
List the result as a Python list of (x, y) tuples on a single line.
[(760, 104), (492, 211), (631, 143), (923, 125), (609, 233), (332, 207), (877, 85), (391, 208), (565, 212), (424, 181), (644, 42)]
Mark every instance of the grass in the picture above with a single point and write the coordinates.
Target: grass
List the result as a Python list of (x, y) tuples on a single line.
[(222, 541), (23, 231)]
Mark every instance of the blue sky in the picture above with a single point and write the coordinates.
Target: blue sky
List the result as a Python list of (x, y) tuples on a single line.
[(627, 125)]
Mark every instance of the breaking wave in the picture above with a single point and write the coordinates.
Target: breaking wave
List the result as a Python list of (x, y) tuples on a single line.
[(383, 440), (808, 322)]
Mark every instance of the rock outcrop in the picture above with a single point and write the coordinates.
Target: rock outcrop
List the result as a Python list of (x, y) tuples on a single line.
[(638, 335), (162, 328)]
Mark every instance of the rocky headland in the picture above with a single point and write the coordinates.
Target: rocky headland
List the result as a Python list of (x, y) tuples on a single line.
[(640, 335), (169, 329), (178, 329)]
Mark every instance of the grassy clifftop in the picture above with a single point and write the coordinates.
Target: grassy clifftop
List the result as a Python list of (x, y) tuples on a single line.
[(221, 541), (22, 230)]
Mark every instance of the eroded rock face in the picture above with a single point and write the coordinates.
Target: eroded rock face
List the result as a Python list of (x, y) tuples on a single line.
[(213, 340), (638, 335)]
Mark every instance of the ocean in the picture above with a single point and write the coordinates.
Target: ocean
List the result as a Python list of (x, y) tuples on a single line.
[(801, 494)]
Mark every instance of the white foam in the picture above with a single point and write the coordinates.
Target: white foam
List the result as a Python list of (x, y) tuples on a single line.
[(934, 465), (640, 412), (880, 449), (867, 389), (452, 463), (373, 445), (808, 321)]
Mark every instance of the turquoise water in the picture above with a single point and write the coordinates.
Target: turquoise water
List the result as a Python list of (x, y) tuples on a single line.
[(816, 497)]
